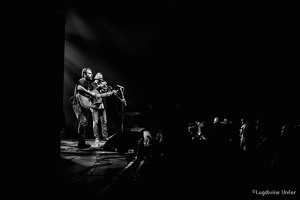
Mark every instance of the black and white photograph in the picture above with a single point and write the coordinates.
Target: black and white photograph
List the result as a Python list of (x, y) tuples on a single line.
[(172, 98)]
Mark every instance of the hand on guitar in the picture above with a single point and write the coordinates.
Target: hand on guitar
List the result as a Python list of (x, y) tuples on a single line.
[(113, 92), (94, 94)]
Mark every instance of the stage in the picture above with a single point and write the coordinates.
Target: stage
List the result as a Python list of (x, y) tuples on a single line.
[(91, 172)]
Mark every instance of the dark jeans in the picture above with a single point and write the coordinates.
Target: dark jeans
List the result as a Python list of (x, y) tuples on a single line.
[(82, 121)]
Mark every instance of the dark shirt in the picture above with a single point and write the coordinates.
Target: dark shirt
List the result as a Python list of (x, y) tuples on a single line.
[(86, 84)]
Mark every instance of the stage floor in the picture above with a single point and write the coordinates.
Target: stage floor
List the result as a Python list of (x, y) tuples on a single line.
[(90, 173)]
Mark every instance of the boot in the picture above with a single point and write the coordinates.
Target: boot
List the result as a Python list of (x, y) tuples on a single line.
[(82, 145), (97, 142), (81, 138)]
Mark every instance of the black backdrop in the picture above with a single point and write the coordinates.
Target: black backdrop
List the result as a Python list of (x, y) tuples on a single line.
[(205, 59)]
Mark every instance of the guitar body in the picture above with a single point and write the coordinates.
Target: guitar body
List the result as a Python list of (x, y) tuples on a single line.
[(89, 102)]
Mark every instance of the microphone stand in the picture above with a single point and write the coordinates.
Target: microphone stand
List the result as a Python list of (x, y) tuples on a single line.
[(123, 107)]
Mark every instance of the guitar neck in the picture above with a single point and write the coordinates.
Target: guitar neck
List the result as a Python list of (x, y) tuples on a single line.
[(108, 93)]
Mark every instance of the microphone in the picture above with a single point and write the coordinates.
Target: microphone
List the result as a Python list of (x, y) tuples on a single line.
[(120, 86)]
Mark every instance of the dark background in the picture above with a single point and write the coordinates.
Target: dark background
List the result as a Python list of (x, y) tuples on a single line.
[(217, 59), (201, 58)]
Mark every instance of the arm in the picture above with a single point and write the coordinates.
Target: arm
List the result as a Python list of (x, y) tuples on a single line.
[(79, 87), (106, 94)]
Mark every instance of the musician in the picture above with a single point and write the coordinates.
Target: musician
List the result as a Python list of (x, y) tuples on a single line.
[(99, 112), (83, 87)]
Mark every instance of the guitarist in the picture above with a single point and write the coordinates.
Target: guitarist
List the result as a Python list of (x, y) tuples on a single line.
[(99, 112), (83, 87)]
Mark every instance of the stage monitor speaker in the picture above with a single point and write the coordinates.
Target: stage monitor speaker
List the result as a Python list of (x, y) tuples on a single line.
[(123, 141)]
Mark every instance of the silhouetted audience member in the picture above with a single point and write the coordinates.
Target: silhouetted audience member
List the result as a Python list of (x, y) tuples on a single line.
[(205, 129), (249, 135), (268, 129), (233, 131), (286, 164), (149, 153), (194, 131), (249, 140), (257, 152), (216, 161)]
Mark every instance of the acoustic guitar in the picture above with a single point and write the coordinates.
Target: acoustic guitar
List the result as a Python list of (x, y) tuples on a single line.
[(93, 102)]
